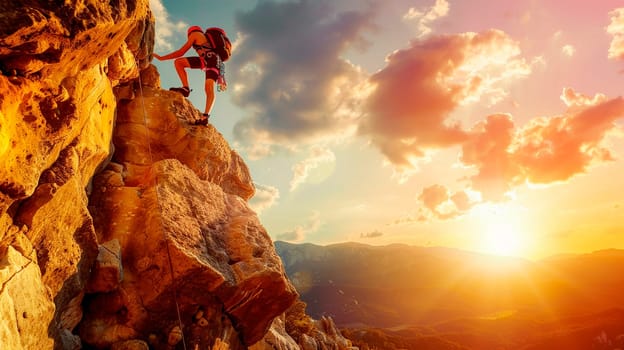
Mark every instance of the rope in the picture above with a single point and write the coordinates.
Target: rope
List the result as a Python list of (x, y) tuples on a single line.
[(149, 151)]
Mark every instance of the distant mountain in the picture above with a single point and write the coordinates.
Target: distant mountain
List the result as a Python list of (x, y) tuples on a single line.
[(387, 286), (407, 297)]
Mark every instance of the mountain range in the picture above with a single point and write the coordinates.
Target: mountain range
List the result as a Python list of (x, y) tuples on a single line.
[(458, 299)]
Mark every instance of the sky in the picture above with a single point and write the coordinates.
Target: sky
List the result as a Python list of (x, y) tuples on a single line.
[(484, 125)]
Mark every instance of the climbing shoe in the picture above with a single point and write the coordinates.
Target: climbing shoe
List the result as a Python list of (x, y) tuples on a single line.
[(203, 120), (185, 91)]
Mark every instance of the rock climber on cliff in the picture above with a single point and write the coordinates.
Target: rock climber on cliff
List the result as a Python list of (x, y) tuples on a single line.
[(213, 48)]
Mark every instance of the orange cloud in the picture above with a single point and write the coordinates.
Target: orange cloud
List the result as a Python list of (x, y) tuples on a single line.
[(557, 148), (572, 98), (433, 196), (409, 109), (487, 149), (442, 204), (544, 151)]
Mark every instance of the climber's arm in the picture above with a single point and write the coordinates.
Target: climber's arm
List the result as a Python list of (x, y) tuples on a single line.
[(175, 54)]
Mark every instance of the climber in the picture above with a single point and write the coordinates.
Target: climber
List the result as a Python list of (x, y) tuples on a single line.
[(208, 59)]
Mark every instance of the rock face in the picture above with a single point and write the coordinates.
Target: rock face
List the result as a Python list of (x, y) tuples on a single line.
[(177, 205), (121, 225), (57, 109)]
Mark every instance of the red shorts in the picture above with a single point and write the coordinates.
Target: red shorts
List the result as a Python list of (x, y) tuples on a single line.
[(212, 71)]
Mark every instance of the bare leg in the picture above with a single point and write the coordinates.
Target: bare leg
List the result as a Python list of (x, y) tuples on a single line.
[(210, 95), (180, 65)]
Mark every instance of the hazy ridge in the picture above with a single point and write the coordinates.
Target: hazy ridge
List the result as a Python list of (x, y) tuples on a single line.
[(448, 298)]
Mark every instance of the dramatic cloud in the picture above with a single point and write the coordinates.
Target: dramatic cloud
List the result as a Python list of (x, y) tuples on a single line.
[(557, 148), (487, 150), (425, 19), (373, 234), (295, 83), (544, 151), (438, 201), (165, 28), (302, 169), (408, 111), (616, 29), (264, 198), (299, 233)]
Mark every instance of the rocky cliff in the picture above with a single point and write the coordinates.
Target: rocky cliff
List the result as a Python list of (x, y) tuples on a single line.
[(121, 225)]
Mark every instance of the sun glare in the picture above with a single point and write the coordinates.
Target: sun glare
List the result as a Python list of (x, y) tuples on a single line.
[(502, 239)]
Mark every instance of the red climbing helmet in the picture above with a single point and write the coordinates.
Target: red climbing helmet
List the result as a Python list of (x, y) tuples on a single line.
[(194, 29)]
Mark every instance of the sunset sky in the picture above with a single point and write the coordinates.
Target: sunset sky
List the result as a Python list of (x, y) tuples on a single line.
[(484, 125)]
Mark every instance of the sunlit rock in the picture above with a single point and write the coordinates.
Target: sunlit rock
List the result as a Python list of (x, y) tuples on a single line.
[(276, 337), (121, 224), (220, 254), (156, 127), (57, 111), (26, 308)]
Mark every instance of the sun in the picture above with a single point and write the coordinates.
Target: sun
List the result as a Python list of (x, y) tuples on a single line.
[(501, 238)]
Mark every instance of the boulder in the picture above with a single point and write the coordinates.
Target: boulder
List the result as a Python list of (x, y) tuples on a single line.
[(186, 243)]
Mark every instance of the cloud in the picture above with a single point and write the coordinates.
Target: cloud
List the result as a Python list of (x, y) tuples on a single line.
[(462, 201), (433, 196), (299, 233), (302, 169), (412, 218), (557, 148), (572, 98), (568, 50), (294, 83), (296, 235), (442, 204), (487, 149), (264, 198), (408, 111), (545, 150), (165, 28), (372, 234), (425, 19), (616, 29)]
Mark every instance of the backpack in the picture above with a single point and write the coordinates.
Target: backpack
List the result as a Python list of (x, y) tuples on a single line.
[(220, 42)]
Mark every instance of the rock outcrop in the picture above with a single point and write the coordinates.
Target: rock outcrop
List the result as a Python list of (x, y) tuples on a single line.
[(296, 330), (57, 110), (121, 225), (174, 197)]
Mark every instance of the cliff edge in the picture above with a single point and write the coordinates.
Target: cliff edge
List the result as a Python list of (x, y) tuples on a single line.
[(122, 226)]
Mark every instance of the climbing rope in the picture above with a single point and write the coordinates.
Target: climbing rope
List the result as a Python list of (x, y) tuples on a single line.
[(151, 157)]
